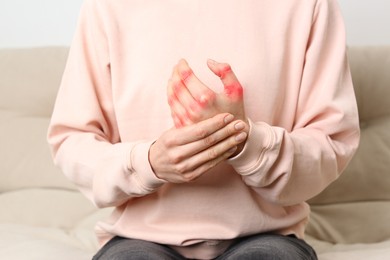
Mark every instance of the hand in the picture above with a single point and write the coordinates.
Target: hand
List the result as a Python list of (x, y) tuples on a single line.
[(184, 154), (192, 101)]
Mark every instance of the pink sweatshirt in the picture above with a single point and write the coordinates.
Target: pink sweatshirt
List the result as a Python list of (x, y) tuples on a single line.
[(112, 104)]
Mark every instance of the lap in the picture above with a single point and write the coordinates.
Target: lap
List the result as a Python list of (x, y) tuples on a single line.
[(127, 249), (269, 246), (262, 246)]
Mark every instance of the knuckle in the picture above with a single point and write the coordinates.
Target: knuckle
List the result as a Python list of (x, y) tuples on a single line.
[(171, 100), (190, 177), (186, 74), (181, 169), (169, 141), (189, 115), (177, 86), (225, 66), (206, 98), (209, 140), (201, 133), (229, 131), (212, 97), (212, 154), (225, 69), (176, 158), (194, 117), (181, 115)]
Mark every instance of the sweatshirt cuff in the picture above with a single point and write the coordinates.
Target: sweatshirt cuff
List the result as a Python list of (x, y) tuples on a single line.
[(140, 166), (261, 138)]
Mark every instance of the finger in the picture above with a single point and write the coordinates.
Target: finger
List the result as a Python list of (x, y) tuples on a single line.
[(232, 86), (182, 94), (230, 136), (201, 130), (210, 157), (179, 116), (203, 168), (201, 93), (179, 113), (233, 129), (183, 172)]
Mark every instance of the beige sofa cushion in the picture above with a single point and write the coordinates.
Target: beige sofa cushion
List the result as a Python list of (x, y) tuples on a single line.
[(28, 85), (356, 208), (42, 215)]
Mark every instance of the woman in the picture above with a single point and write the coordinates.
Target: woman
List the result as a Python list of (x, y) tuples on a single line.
[(223, 166)]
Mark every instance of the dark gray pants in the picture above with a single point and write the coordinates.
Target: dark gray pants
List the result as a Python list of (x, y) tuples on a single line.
[(263, 246)]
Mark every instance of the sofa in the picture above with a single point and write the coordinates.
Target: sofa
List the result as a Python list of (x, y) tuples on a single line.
[(43, 216)]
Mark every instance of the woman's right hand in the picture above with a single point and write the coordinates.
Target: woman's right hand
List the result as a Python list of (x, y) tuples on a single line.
[(184, 154), (192, 101)]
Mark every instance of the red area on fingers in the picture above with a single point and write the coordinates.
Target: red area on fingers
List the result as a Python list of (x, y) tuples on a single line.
[(188, 116), (172, 99), (177, 87), (185, 74), (224, 71), (194, 106), (220, 69), (205, 99), (177, 121), (234, 90), (178, 124)]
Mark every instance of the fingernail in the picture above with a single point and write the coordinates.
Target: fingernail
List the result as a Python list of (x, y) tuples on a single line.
[(239, 126), (212, 62), (229, 118), (241, 137)]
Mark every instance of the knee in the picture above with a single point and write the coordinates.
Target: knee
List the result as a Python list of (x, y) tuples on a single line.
[(272, 247)]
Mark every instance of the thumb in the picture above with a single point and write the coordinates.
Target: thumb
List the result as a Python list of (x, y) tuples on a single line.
[(232, 86)]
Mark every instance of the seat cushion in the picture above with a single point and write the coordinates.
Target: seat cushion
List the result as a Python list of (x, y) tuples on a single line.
[(357, 251), (39, 243), (356, 207), (42, 223)]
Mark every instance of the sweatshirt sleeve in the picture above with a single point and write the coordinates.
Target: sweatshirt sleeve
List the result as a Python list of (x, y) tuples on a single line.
[(83, 133), (289, 167)]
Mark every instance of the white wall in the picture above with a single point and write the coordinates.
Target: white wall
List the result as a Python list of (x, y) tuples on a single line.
[(52, 22), (367, 21), (37, 22)]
